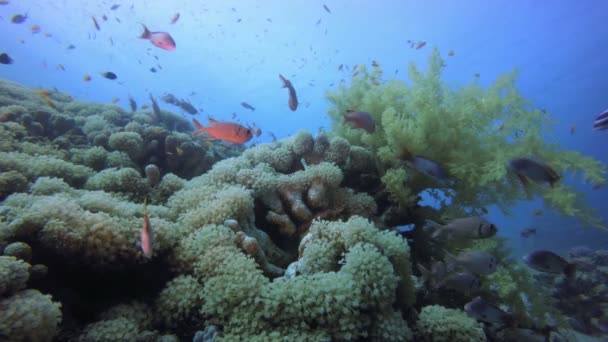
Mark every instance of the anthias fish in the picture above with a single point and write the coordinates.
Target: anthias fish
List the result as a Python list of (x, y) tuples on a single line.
[(146, 234), (227, 131), (161, 40), (293, 98)]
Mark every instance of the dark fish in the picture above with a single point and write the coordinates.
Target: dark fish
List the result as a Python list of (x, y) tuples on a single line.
[(473, 227), (601, 121), (535, 170), (71, 47), (5, 59), (361, 120), (18, 18), (248, 106), (478, 262), (95, 23), (428, 167), (155, 107), (132, 103), (483, 311), (269, 20), (104, 17), (114, 7), (340, 67), (272, 136), (326, 8), (527, 232), (152, 69), (117, 20), (109, 75), (174, 18), (435, 275), (549, 262), (293, 98), (463, 282), (188, 107), (318, 22)]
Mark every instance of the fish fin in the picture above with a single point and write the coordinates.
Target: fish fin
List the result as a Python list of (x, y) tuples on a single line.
[(523, 180), (146, 33), (570, 271), (433, 228), (200, 129), (453, 262), (425, 273)]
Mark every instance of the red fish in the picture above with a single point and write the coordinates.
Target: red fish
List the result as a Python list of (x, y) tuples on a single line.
[(146, 234), (293, 98), (420, 45), (162, 40), (362, 120), (35, 29), (222, 130)]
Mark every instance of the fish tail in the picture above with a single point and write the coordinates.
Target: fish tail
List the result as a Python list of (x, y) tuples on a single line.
[(146, 33), (425, 273), (452, 261), (284, 81), (433, 228), (200, 129), (570, 271)]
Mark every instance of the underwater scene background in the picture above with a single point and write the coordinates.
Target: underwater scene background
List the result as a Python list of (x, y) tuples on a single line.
[(303, 171)]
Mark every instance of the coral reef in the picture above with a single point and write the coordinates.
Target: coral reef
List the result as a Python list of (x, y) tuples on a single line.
[(473, 132)]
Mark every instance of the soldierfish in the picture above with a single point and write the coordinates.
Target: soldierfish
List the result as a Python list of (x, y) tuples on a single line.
[(227, 131), (478, 262), (146, 234), (293, 98), (483, 311), (474, 227), (362, 120), (162, 40)]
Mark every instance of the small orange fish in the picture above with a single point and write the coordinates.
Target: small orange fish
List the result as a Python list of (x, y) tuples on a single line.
[(293, 98), (451, 53), (86, 78), (115, 100), (227, 131), (146, 234), (361, 120), (35, 29), (43, 92), (420, 44)]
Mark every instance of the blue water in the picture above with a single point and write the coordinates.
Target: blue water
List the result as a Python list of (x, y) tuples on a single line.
[(560, 49)]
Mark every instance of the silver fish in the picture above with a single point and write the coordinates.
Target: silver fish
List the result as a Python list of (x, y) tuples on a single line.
[(473, 227), (601, 121), (478, 262), (547, 261), (535, 170), (483, 311), (463, 282)]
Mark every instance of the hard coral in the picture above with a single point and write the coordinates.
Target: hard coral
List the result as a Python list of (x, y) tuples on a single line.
[(440, 324), (29, 316)]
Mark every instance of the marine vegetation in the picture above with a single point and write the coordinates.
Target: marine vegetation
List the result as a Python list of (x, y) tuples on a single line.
[(472, 131)]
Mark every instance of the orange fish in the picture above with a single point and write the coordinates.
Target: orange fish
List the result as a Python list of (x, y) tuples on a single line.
[(227, 131), (86, 78), (361, 120), (420, 45), (146, 234), (43, 92), (293, 98), (35, 29)]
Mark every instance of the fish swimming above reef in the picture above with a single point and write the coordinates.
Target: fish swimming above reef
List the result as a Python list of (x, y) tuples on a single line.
[(221, 130), (5, 59), (549, 262), (114, 7), (293, 98), (174, 18), (183, 104), (109, 75), (248, 106), (535, 170), (132, 103), (161, 40), (527, 232), (424, 165), (601, 121), (483, 311), (326, 8), (463, 282), (473, 227), (360, 120), (35, 29), (435, 275), (478, 262), (95, 23), (18, 18), (146, 234)]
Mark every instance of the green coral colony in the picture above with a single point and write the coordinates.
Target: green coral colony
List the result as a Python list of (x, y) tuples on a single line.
[(287, 241)]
